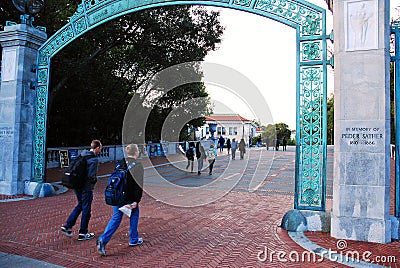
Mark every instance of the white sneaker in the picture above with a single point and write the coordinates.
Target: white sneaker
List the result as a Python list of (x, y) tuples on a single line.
[(83, 237), (139, 242)]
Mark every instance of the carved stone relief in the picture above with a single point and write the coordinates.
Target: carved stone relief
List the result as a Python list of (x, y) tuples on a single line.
[(361, 25)]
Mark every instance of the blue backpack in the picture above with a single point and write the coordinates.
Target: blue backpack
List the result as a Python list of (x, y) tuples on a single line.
[(115, 191)]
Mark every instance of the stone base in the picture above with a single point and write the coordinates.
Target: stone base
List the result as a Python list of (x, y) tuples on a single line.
[(39, 189), (306, 220), (361, 229)]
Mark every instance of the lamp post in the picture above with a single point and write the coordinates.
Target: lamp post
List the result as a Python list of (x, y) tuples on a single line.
[(29, 8), (242, 130)]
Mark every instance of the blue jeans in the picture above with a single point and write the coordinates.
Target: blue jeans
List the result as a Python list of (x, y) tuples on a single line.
[(84, 205), (115, 221)]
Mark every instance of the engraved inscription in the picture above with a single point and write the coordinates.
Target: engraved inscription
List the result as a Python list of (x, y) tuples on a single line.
[(367, 136), (6, 132)]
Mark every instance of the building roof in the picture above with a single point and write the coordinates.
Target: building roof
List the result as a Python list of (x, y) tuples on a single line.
[(226, 117)]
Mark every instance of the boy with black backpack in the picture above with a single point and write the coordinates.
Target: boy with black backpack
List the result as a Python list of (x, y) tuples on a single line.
[(84, 194), (190, 156), (134, 191)]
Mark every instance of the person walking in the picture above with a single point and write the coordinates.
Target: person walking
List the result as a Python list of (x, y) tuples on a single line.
[(234, 147), (190, 156), (211, 154), (284, 142), (85, 195), (200, 155), (221, 142), (277, 144), (259, 141), (228, 145), (134, 186), (242, 148)]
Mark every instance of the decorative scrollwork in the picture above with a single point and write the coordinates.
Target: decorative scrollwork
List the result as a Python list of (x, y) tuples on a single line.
[(308, 18), (311, 25), (245, 3), (80, 25), (78, 13), (311, 51), (311, 118)]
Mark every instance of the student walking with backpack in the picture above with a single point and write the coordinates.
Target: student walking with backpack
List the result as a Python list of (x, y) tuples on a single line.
[(200, 155), (134, 191), (84, 195), (190, 156), (211, 154)]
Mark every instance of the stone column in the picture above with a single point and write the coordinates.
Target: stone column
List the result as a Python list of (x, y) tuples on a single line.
[(20, 44), (361, 188)]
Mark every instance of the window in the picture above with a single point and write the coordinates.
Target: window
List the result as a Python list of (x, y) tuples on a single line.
[(230, 130), (219, 130), (235, 130), (207, 130), (223, 131)]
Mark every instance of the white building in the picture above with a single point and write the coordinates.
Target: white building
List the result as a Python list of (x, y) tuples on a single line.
[(229, 126)]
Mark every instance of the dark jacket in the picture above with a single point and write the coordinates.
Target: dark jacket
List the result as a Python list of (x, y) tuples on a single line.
[(92, 167), (134, 180)]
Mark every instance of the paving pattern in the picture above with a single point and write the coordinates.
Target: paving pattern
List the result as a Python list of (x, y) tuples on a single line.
[(239, 229)]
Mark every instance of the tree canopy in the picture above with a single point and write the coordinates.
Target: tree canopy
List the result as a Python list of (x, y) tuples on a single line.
[(272, 132), (94, 78)]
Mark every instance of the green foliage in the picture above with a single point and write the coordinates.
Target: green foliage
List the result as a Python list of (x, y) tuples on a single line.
[(93, 79), (272, 132), (330, 119)]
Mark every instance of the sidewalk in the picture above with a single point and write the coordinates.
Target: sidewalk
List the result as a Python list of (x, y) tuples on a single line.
[(238, 230)]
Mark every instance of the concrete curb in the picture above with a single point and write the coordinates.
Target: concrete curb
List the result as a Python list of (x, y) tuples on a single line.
[(11, 260), (328, 254)]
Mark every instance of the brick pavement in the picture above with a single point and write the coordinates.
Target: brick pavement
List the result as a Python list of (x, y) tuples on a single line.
[(230, 232)]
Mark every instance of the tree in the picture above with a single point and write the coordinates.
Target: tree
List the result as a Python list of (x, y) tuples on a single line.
[(272, 132), (93, 78), (330, 119)]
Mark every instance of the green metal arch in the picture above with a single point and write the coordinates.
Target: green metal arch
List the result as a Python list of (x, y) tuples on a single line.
[(310, 24)]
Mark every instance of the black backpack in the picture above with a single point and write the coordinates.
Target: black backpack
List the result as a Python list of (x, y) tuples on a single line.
[(190, 153), (75, 175), (115, 191)]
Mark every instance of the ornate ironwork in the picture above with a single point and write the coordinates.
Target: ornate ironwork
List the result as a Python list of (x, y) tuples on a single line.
[(306, 18), (311, 149)]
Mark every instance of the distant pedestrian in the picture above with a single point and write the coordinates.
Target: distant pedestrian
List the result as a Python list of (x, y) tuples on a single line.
[(267, 143), (284, 142), (259, 142), (234, 147), (211, 154), (200, 155), (277, 145), (221, 142), (228, 145), (242, 148), (190, 156), (85, 195), (134, 186)]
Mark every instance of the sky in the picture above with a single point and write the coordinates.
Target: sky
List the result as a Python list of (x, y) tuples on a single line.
[(264, 51)]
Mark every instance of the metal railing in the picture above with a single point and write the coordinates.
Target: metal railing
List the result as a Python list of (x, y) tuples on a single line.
[(116, 152)]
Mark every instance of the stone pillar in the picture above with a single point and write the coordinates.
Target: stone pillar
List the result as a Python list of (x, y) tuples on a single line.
[(361, 187), (20, 44)]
